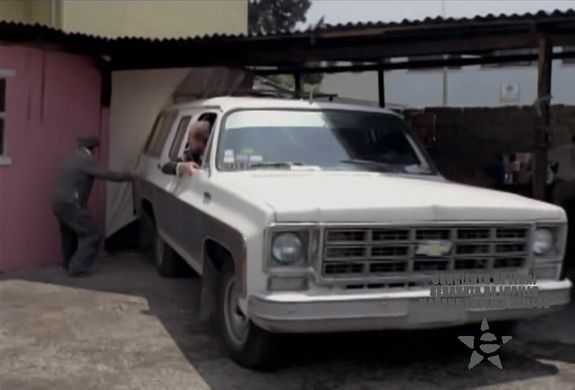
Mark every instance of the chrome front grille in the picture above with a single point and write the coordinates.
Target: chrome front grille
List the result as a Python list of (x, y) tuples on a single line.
[(381, 252)]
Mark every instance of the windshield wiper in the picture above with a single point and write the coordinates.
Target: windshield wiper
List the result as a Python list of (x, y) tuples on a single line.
[(275, 164), (372, 163), (418, 170)]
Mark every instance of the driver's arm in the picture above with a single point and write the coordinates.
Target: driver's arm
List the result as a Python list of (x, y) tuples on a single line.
[(170, 168)]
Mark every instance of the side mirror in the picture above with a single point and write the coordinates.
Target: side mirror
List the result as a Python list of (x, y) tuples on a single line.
[(164, 169)]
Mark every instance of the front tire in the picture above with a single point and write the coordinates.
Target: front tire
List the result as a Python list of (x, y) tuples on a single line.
[(249, 346), (147, 235)]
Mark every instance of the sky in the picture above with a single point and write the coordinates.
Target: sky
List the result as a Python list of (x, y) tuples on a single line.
[(343, 11)]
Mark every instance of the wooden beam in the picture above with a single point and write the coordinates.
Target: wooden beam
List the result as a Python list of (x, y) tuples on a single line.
[(543, 116), (381, 87), (415, 64), (390, 49), (296, 53)]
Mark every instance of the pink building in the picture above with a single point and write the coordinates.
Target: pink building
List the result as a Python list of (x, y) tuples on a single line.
[(46, 99)]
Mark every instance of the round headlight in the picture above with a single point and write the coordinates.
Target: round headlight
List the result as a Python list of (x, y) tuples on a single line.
[(542, 242), (287, 248)]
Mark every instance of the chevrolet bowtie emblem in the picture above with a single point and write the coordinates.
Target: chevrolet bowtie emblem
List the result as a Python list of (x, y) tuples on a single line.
[(434, 249)]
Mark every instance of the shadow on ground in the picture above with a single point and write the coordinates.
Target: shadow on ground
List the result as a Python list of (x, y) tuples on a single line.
[(543, 348)]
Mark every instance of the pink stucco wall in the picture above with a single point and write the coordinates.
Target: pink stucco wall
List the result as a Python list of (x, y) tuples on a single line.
[(53, 97)]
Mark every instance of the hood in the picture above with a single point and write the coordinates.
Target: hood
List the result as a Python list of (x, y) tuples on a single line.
[(347, 197)]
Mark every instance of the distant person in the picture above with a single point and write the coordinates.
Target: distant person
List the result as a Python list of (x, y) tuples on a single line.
[(497, 171), (562, 160), (81, 236), (514, 168), (193, 154)]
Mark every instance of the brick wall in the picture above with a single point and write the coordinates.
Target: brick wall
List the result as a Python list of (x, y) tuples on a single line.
[(469, 139)]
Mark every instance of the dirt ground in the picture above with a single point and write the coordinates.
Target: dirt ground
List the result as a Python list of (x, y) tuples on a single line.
[(127, 328)]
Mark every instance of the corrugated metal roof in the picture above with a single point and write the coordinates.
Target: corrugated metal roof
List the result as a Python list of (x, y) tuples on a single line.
[(539, 16), (23, 29), (341, 42)]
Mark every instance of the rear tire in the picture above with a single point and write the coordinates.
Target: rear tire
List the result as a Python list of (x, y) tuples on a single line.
[(249, 346), (147, 235), (168, 263)]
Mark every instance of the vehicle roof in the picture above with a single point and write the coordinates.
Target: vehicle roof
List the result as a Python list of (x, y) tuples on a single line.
[(232, 102)]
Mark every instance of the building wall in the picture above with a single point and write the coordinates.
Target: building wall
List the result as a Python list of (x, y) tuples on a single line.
[(40, 11), (31, 11), (155, 19), (51, 98), (137, 97), (13, 10), (473, 86), (168, 18)]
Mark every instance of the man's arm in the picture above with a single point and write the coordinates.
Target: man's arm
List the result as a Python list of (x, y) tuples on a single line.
[(93, 168), (170, 168), (179, 168)]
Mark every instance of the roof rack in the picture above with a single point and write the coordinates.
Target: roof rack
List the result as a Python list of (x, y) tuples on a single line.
[(255, 93), (292, 93), (262, 87)]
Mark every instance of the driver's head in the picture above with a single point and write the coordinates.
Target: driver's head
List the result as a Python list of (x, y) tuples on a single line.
[(198, 136)]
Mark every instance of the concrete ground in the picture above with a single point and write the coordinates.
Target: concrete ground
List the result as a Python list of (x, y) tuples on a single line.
[(127, 328)]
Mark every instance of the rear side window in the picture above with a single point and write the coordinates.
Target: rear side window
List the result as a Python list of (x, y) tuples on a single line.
[(180, 135), (160, 133)]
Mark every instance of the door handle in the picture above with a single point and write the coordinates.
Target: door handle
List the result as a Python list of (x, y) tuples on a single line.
[(159, 166), (207, 196)]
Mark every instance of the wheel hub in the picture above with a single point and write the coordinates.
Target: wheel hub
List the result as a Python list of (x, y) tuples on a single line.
[(236, 322)]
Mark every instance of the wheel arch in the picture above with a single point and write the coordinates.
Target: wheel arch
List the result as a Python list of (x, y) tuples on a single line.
[(217, 252), (147, 208)]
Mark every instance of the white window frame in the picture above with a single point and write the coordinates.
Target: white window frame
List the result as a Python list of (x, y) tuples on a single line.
[(5, 159)]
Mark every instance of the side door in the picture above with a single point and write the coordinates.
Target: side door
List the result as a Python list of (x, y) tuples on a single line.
[(173, 151), (158, 186), (190, 209)]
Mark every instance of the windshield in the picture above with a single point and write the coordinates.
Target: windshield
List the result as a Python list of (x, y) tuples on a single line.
[(328, 140)]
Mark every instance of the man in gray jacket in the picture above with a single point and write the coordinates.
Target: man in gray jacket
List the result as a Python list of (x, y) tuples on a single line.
[(81, 236)]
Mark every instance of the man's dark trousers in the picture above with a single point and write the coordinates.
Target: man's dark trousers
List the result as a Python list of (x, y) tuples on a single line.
[(81, 237)]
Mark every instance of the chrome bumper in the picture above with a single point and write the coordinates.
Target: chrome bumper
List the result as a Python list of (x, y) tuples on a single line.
[(303, 312)]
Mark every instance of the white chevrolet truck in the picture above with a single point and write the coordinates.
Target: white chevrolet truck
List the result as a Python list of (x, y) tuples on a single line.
[(323, 217)]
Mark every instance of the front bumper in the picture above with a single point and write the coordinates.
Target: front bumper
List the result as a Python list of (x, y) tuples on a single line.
[(303, 312)]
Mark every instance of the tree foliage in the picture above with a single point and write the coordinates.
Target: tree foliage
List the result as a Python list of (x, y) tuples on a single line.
[(268, 16)]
